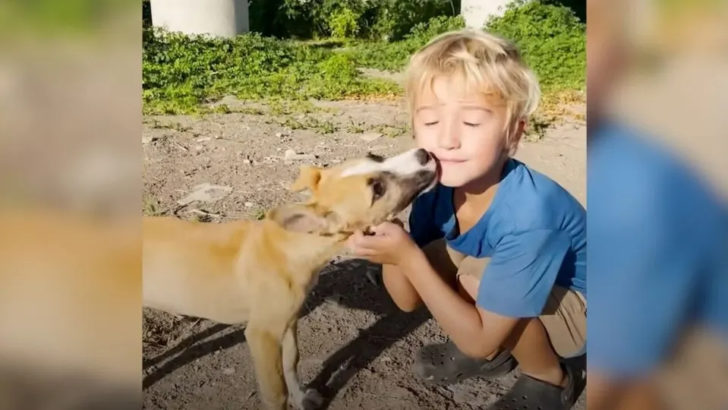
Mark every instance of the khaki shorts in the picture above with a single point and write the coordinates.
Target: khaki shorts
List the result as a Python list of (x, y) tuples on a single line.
[(564, 315)]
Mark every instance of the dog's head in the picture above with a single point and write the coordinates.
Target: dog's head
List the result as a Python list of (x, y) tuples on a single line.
[(358, 193)]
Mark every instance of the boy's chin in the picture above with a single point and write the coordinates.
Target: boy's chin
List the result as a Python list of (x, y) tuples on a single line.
[(452, 181)]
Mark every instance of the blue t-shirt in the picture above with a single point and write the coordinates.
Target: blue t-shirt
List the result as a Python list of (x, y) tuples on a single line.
[(658, 253), (534, 232)]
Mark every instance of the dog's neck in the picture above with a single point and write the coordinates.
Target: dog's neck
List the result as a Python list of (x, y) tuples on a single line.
[(307, 252)]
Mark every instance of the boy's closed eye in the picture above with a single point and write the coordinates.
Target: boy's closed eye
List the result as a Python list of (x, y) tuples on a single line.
[(474, 117), (427, 116), (429, 120)]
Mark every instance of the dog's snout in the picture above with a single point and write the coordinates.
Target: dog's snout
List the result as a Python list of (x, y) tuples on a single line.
[(423, 157), (425, 176)]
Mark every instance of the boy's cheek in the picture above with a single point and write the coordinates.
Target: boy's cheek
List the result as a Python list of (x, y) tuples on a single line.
[(425, 137)]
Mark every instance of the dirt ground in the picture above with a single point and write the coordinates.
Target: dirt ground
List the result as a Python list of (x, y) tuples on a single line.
[(356, 347)]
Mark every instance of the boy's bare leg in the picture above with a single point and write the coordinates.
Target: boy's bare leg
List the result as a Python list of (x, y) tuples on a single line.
[(444, 363), (468, 289), (529, 344)]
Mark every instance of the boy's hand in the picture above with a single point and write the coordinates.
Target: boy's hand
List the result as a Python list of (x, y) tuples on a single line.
[(389, 244)]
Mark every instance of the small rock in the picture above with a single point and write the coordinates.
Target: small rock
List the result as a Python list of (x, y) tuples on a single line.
[(228, 100), (148, 138), (249, 204), (373, 277), (247, 161), (228, 371), (289, 154), (370, 136), (206, 193), (203, 139)]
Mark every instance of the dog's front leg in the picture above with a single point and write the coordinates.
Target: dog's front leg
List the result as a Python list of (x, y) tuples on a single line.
[(265, 348), (309, 400)]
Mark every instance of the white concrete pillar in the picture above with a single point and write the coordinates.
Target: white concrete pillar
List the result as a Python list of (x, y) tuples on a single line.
[(220, 18), (477, 12)]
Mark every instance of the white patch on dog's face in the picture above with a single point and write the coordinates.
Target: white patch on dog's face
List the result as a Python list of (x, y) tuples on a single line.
[(359, 193), (403, 164)]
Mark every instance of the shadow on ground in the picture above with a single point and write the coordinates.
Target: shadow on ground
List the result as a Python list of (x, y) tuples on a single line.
[(354, 284)]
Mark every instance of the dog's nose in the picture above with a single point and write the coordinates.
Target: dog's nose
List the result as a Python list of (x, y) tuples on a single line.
[(423, 157)]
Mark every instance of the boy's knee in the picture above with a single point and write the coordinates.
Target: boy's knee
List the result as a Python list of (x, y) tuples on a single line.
[(479, 353), (408, 307)]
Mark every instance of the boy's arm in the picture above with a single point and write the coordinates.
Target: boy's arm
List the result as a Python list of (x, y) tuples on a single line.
[(520, 276), (400, 289), (475, 331)]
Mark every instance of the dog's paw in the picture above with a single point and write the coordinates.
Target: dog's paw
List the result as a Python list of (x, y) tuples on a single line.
[(312, 400)]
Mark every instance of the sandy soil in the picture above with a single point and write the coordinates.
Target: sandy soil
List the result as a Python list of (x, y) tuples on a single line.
[(356, 347)]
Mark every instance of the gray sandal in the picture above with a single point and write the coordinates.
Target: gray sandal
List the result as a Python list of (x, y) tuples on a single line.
[(444, 364), (533, 394)]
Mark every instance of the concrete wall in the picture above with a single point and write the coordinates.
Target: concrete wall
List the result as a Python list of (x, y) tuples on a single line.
[(224, 18), (476, 12)]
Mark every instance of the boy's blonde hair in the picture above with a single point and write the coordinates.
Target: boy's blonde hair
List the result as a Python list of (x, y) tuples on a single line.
[(487, 63)]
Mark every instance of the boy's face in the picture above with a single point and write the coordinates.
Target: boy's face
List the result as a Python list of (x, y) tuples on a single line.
[(464, 130)]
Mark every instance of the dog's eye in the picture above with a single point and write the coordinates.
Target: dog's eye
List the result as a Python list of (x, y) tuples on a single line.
[(378, 188)]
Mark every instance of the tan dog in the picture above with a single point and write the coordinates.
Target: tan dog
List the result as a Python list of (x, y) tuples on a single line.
[(259, 272)]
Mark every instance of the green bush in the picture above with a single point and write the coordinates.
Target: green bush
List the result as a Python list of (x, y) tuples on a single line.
[(375, 19), (395, 55), (394, 19), (343, 24), (179, 73), (551, 38)]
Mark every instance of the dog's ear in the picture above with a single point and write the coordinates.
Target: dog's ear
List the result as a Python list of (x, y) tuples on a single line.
[(304, 219), (308, 178)]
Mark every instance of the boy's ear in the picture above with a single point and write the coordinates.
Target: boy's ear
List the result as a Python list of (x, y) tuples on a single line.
[(516, 133), (304, 219), (308, 178)]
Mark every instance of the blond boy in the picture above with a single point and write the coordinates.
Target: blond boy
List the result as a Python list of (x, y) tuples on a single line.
[(497, 251)]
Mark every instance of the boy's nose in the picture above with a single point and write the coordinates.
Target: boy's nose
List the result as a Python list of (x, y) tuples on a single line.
[(448, 138), (449, 142)]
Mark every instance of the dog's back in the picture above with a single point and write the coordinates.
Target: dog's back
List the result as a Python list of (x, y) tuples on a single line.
[(178, 254)]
